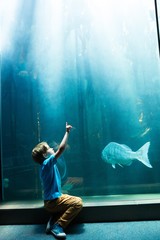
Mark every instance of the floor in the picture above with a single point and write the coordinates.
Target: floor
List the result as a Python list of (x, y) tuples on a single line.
[(144, 230)]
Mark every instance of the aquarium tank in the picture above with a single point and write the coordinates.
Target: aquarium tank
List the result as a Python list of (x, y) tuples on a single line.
[(94, 64)]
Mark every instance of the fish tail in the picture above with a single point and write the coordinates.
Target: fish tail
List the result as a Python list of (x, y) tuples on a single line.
[(142, 155)]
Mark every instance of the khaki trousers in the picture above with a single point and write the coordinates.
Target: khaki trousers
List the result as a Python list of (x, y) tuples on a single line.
[(65, 207)]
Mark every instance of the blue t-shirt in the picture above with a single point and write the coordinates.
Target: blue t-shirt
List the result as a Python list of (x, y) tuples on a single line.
[(51, 180)]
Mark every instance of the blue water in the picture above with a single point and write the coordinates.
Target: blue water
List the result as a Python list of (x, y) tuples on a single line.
[(92, 66)]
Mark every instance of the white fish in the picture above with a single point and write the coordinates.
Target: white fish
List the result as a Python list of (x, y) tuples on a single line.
[(115, 153)]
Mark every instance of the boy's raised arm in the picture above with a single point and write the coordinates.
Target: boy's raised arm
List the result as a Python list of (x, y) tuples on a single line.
[(63, 143)]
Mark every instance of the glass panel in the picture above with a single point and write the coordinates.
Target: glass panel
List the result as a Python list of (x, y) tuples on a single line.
[(94, 64)]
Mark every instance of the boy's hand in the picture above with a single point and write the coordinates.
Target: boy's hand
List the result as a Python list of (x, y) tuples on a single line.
[(68, 127)]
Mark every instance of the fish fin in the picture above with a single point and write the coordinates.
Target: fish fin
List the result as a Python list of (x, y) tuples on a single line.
[(143, 155), (113, 165), (120, 165)]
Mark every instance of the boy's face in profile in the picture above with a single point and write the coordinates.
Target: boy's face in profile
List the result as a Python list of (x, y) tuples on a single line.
[(49, 151)]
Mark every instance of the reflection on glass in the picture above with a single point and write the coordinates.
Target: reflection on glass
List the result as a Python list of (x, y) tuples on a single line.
[(94, 64)]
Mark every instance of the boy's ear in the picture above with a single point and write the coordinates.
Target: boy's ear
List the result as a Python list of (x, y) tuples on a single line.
[(44, 155)]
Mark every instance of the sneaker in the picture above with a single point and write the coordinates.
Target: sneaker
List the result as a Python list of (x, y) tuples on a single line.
[(49, 225), (57, 231)]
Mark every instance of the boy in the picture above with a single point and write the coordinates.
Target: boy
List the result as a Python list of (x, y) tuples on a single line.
[(54, 201)]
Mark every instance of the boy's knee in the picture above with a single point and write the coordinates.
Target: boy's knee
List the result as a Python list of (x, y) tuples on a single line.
[(79, 203)]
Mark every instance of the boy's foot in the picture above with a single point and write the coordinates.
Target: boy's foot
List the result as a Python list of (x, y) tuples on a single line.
[(57, 231), (49, 225)]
